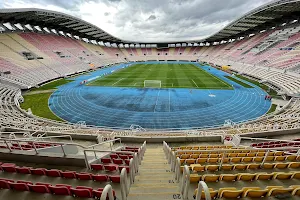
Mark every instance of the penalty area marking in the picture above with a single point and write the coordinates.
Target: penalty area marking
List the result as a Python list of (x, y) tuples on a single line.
[(195, 83), (118, 81)]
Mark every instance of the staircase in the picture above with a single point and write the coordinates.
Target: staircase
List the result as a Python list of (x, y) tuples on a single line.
[(155, 181)]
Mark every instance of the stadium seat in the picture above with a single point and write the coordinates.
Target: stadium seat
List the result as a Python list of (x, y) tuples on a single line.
[(4, 184), (228, 177), (39, 188), (213, 193), (111, 167), (256, 193), (84, 192), (68, 174), (100, 177), (60, 190), (105, 160), (19, 186), (53, 172), (9, 167), (230, 193), (115, 178), (210, 178), (246, 177), (97, 166), (23, 170), (84, 176), (38, 171)]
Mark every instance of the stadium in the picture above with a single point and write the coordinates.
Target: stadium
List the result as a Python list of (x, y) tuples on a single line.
[(87, 115)]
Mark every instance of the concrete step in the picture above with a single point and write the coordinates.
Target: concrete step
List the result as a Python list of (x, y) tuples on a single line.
[(154, 196), (136, 184), (154, 170), (157, 189), (158, 181)]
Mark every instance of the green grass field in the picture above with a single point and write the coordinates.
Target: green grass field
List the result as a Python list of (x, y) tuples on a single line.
[(170, 75), (38, 103)]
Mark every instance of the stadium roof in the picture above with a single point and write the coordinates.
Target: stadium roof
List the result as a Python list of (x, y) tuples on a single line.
[(265, 17), (55, 20)]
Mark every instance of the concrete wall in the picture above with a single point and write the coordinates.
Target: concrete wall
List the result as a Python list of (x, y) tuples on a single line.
[(271, 133), (171, 139), (43, 158)]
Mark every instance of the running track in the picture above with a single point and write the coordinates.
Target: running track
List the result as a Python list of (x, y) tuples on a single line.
[(156, 108)]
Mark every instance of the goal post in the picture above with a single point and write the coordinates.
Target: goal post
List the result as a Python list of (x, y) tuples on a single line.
[(152, 84)]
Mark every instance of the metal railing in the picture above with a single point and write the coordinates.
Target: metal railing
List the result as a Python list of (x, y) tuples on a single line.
[(107, 193)]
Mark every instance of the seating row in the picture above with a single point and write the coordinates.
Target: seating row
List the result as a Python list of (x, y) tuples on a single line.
[(244, 176), (252, 166), (58, 189), (10, 167), (251, 192)]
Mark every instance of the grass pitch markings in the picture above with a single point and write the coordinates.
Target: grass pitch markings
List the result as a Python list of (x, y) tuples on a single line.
[(170, 75)]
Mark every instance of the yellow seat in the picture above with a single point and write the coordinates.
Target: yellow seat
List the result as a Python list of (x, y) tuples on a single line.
[(213, 193), (201, 160), (246, 177), (240, 166), (190, 161), (212, 167), (256, 193), (197, 167), (280, 158), (251, 154), (278, 153), (182, 161), (264, 176), (260, 154), (258, 159), (291, 158), (226, 160), (268, 166), (253, 166), (230, 193), (195, 178), (194, 156), (232, 155), (227, 167), (228, 177), (276, 191), (296, 175), (281, 165), (247, 159), (182, 167), (270, 158), (294, 165), (210, 178), (185, 156), (283, 176), (204, 156), (213, 160), (195, 148), (214, 156), (242, 155), (236, 160)]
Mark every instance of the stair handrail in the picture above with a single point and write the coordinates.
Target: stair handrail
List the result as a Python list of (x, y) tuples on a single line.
[(202, 186), (185, 183), (107, 191), (124, 184), (177, 169)]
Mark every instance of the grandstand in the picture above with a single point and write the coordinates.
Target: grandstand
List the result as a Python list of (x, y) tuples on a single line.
[(186, 155)]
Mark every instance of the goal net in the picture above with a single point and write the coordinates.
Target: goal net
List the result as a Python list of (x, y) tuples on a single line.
[(152, 84)]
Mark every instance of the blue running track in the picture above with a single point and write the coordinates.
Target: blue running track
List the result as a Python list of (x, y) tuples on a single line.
[(156, 108)]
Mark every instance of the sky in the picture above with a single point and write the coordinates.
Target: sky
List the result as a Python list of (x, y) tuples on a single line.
[(149, 20)]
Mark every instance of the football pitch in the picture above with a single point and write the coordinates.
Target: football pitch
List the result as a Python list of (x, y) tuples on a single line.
[(170, 76)]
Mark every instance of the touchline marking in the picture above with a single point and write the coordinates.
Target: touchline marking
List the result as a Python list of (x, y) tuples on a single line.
[(118, 81), (156, 100), (195, 83)]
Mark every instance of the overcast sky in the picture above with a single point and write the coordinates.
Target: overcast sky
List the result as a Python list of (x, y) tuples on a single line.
[(149, 20)]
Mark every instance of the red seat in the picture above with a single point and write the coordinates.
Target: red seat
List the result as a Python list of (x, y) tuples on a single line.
[(9, 167), (38, 171), (118, 161), (23, 170), (123, 156), (126, 167), (105, 160), (46, 184), (97, 193), (53, 172), (130, 156), (97, 166), (127, 161), (112, 156), (115, 179), (19, 186), (26, 182), (100, 177), (84, 176), (68, 174), (4, 184), (39, 188), (60, 190), (81, 191), (111, 168)]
